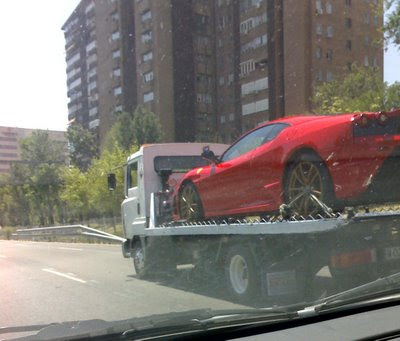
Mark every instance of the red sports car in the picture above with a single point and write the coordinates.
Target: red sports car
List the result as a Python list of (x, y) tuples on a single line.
[(301, 161)]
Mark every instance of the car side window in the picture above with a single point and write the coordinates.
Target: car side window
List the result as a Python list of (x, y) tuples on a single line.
[(253, 140)]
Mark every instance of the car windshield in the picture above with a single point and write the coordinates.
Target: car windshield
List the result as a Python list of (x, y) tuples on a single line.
[(253, 140), (187, 165)]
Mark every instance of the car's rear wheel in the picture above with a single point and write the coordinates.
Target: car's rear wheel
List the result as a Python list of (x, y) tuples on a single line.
[(190, 207), (308, 182)]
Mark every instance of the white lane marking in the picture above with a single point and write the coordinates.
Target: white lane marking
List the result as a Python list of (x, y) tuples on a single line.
[(64, 275), (69, 248), (2, 256), (18, 244)]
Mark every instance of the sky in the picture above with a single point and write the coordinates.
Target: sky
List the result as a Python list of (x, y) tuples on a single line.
[(33, 92)]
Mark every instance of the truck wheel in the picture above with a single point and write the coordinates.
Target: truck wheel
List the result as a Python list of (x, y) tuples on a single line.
[(242, 277), (190, 207), (139, 261)]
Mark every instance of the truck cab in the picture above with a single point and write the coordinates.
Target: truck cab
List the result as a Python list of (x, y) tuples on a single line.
[(150, 174)]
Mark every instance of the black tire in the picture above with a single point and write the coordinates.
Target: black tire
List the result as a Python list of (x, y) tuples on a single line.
[(307, 174), (190, 207), (243, 279), (140, 262)]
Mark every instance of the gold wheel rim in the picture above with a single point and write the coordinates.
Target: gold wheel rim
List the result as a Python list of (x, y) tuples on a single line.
[(188, 203), (305, 180)]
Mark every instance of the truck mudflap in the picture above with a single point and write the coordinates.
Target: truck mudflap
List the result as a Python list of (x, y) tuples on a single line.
[(126, 250)]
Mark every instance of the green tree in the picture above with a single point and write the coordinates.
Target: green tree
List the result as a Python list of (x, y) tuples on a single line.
[(391, 28), (38, 176), (137, 128), (362, 89), (82, 146)]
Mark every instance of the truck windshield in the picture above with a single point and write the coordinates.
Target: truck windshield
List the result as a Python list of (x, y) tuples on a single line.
[(179, 164)]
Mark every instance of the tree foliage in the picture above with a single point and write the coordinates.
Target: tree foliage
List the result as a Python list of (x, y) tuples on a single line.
[(362, 89), (82, 146), (137, 128), (391, 27)]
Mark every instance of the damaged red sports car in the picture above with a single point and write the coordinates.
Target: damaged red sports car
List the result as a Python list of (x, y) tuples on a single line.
[(302, 161)]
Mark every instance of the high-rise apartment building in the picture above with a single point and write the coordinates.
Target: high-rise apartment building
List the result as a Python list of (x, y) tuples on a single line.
[(100, 59), (211, 69), (10, 138), (176, 65), (272, 53)]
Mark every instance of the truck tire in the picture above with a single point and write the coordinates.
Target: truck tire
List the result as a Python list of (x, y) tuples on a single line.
[(140, 262), (242, 277)]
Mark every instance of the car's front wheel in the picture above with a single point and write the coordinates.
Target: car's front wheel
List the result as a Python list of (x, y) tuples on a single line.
[(190, 207)]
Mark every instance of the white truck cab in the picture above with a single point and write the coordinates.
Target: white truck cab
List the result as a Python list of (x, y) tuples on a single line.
[(145, 172)]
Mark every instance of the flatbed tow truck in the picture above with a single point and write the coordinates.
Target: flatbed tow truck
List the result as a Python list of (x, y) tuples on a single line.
[(274, 258)]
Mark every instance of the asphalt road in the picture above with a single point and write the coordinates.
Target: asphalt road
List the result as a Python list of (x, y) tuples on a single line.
[(56, 282)]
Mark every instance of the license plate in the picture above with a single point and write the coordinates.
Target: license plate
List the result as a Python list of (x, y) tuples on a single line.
[(281, 283), (392, 253)]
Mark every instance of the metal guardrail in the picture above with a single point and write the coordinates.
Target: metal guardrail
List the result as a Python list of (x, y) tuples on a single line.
[(65, 231)]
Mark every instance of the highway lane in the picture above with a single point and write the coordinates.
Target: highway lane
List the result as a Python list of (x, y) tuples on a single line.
[(54, 282)]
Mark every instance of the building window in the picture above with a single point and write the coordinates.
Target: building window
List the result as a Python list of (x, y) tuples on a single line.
[(376, 21), (348, 23), (247, 67), (93, 124), (117, 91), (255, 86), (230, 78), (116, 54), (147, 37), (148, 96), (319, 75), (367, 40), (329, 55), (73, 59), (118, 108), (221, 80), (329, 8), (89, 7), (115, 35), (231, 117), (318, 52), (348, 3), (318, 7), (74, 84), (92, 73), (204, 98), (90, 46), (92, 85), (146, 16), (319, 29), (148, 76), (222, 119), (254, 44), (348, 45), (366, 18), (93, 111), (329, 76), (366, 61), (147, 56), (329, 31), (375, 62), (117, 72), (254, 107), (115, 16)]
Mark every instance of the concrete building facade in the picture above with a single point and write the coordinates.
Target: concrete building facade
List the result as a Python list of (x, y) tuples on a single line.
[(211, 69), (100, 59), (10, 138)]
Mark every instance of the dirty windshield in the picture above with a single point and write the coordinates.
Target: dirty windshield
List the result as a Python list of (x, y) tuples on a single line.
[(179, 162)]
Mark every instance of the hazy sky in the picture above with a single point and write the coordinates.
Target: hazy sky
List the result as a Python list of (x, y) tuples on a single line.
[(33, 79)]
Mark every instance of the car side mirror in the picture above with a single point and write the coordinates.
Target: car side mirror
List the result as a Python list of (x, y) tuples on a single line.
[(209, 155), (112, 181)]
